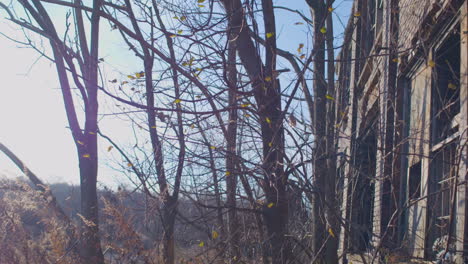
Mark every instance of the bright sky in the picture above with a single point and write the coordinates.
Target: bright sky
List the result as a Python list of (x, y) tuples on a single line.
[(32, 116)]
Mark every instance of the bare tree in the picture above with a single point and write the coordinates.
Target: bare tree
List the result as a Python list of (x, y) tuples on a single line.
[(324, 218), (77, 58), (266, 89)]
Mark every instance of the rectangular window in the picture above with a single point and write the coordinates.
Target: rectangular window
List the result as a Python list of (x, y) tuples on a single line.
[(363, 193), (446, 88), (445, 106), (443, 172), (371, 22), (415, 181)]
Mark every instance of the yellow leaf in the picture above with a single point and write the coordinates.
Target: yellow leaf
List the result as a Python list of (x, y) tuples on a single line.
[(86, 156), (177, 101), (192, 126), (330, 9), (80, 142), (245, 105), (452, 86), (270, 34), (176, 17), (129, 164), (179, 31), (212, 147), (189, 62), (302, 56), (330, 231), (357, 14), (292, 120), (153, 126), (201, 6), (139, 74), (298, 23), (396, 60), (247, 115), (228, 173), (124, 82), (270, 144), (214, 235), (131, 77), (270, 205), (268, 120), (172, 36), (323, 30), (329, 97), (109, 148), (299, 50), (183, 18), (431, 64), (201, 1), (268, 78), (201, 244)]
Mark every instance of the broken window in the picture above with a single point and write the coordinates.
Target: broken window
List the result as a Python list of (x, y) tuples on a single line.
[(445, 100), (418, 88), (374, 22), (363, 193), (446, 88), (371, 24), (344, 91), (442, 177)]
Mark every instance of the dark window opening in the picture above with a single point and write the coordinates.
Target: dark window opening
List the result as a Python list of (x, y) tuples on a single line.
[(364, 192), (443, 173), (446, 89), (369, 26), (344, 91), (374, 22), (415, 181)]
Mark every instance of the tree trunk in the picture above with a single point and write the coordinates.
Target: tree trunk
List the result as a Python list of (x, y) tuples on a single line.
[(331, 206), (231, 155), (90, 242), (268, 97), (169, 214), (319, 226)]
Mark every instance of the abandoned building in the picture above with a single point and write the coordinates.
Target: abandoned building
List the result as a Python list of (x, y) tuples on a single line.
[(403, 115)]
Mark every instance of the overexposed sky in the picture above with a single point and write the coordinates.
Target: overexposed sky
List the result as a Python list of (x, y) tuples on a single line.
[(32, 116), (33, 122)]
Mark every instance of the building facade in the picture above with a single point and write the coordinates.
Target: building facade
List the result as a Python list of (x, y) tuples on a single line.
[(402, 116)]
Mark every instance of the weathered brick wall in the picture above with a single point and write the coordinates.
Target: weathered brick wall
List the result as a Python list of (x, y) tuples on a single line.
[(412, 12)]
